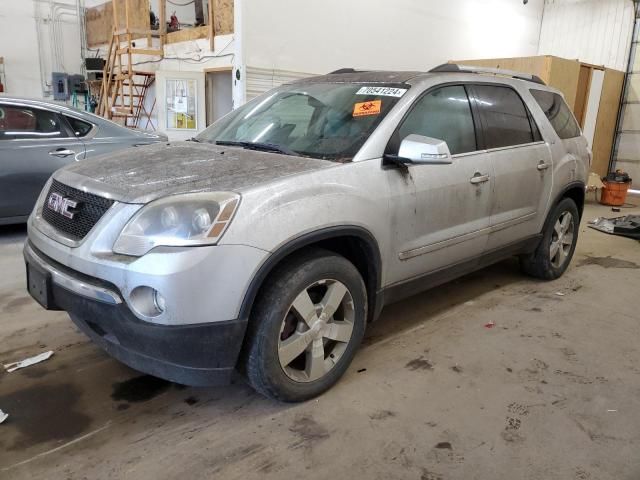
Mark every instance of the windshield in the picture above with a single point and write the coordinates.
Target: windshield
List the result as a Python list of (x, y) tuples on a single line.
[(320, 120)]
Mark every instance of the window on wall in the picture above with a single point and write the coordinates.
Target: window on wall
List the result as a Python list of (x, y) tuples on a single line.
[(558, 113), (18, 122), (505, 118), (181, 100), (444, 114)]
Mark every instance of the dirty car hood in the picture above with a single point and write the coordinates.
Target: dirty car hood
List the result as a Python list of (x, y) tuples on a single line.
[(139, 175)]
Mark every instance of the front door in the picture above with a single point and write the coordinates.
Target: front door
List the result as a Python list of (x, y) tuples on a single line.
[(521, 163), (451, 203), (34, 143), (181, 103)]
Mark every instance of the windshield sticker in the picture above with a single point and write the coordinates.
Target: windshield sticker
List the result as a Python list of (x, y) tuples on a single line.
[(367, 108), (382, 91)]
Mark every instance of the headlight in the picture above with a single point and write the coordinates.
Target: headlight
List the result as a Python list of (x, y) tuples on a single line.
[(180, 220)]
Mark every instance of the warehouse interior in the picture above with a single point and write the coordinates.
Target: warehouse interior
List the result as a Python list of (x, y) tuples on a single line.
[(477, 373)]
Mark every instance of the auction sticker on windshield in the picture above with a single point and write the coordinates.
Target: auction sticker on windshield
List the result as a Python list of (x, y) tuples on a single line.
[(382, 91), (367, 108)]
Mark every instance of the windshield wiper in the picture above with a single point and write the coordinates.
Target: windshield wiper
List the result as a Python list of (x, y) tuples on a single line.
[(193, 139), (263, 147)]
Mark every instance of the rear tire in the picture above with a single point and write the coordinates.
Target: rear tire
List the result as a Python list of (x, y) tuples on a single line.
[(559, 238), (305, 327)]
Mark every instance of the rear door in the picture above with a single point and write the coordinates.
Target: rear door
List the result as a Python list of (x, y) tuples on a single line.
[(520, 160), (34, 142), (451, 203)]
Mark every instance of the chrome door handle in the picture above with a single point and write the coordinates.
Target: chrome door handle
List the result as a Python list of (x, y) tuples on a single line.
[(543, 166), (62, 152), (479, 178)]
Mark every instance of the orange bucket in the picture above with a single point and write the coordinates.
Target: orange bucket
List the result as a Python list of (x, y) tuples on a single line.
[(614, 194)]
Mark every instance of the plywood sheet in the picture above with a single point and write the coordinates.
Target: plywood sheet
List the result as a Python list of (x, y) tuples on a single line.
[(564, 75), (606, 122), (188, 34), (582, 94), (535, 65), (223, 16), (99, 20)]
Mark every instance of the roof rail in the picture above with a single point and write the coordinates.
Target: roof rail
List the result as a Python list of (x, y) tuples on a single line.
[(455, 68)]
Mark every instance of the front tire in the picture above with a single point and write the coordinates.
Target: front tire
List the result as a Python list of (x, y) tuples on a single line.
[(559, 238), (306, 326)]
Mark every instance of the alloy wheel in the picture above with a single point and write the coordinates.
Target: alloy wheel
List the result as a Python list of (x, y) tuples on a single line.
[(316, 330), (561, 239)]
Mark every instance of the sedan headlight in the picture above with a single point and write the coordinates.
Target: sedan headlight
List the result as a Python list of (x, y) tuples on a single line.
[(180, 220)]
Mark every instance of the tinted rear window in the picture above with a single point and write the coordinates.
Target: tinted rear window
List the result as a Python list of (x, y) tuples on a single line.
[(504, 116), (80, 127), (558, 113)]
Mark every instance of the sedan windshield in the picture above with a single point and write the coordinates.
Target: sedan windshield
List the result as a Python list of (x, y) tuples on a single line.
[(321, 120)]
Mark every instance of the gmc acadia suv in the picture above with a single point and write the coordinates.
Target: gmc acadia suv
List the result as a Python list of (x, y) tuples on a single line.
[(269, 241)]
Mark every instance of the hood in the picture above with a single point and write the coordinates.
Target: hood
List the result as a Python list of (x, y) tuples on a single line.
[(142, 174)]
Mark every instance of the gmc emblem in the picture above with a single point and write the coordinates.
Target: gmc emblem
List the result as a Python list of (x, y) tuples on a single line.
[(61, 205)]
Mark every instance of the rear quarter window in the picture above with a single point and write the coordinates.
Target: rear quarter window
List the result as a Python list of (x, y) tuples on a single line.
[(80, 128), (558, 113)]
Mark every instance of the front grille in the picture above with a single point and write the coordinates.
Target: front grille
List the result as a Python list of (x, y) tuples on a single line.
[(90, 209)]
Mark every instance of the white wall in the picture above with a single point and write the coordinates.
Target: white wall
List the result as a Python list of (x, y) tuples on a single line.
[(593, 31), (24, 54), (320, 36)]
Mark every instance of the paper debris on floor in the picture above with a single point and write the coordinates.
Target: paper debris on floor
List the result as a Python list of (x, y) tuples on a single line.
[(560, 294), (3, 416), (627, 226), (11, 367)]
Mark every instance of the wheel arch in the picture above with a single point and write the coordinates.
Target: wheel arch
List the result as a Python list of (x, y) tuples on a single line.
[(576, 192), (354, 243)]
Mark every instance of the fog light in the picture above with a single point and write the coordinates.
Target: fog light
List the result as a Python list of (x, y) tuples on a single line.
[(159, 301), (147, 302)]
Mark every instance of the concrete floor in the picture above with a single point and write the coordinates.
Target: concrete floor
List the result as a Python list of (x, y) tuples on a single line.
[(552, 391)]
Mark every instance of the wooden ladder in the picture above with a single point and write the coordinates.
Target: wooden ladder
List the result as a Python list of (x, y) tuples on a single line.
[(124, 88)]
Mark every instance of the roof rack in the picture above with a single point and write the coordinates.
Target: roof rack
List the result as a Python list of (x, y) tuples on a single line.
[(345, 70), (455, 68)]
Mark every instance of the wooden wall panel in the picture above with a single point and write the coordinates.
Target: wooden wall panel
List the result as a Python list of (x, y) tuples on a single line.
[(188, 34), (564, 76), (99, 20), (535, 65), (223, 16), (606, 123)]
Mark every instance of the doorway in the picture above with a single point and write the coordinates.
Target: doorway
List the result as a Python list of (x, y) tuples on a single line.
[(218, 93)]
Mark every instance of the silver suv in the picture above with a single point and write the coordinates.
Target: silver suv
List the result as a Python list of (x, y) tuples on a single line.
[(269, 241)]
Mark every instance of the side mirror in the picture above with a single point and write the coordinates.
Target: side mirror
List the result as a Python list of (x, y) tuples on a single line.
[(420, 150)]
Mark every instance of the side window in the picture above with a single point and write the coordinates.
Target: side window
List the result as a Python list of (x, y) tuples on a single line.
[(29, 123), (79, 127), (444, 114), (505, 117), (558, 113)]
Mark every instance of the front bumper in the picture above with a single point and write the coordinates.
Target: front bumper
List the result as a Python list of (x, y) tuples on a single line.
[(203, 354)]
